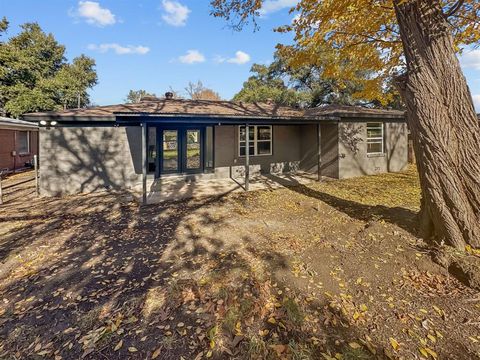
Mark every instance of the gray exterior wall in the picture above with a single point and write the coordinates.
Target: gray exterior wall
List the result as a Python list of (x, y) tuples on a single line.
[(329, 149), (85, 159), (286, 153), (352, 148)]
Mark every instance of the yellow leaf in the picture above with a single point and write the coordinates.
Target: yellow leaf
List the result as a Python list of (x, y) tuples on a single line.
[(432, 338), (156, 353), (209, 354), (355, 345), (394, 344), (272, 321), (431, 352), (423, 352), (327, 357), (132, 349), (363, 307), (119, 345)]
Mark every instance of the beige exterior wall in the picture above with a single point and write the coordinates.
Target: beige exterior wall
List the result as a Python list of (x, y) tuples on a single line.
[(352, 149), (75, 160)]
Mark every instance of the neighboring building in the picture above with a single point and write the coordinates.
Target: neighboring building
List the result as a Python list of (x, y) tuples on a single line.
[(18, 143), (112, 146)]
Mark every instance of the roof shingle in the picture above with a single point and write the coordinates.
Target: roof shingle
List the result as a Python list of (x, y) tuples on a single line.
[(209, 108)]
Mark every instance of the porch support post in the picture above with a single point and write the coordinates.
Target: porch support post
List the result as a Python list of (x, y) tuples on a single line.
[(247, 157), (319, 152), (144, 163)]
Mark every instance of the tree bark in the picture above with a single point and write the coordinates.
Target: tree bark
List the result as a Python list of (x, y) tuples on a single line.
[(443, 123)]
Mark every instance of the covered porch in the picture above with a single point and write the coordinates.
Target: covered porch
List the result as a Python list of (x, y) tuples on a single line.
[(205, 157)]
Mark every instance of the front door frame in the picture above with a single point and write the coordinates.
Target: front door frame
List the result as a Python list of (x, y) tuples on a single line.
[(182, 149)]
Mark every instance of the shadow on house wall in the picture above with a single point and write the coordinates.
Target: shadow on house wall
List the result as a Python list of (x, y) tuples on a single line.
[(354, 159), (86, 159)]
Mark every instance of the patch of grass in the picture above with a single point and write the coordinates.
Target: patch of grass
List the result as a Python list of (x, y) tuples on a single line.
[(231, 318), (223, 293), (300, 351), (256, 348), (87, 320), (356, 354), (154, 301), (389, 189), (246, 306), (293, 311)]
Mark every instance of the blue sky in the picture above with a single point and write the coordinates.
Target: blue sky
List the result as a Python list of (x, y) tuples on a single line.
[(155, 44)]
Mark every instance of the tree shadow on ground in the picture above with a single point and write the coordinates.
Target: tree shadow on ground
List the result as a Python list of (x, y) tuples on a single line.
[(83, 273), (402, 217)]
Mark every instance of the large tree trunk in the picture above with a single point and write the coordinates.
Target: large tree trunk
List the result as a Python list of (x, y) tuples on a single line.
[(443, 123)]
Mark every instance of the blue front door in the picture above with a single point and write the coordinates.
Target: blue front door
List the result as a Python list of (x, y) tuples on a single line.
[(180, 150)]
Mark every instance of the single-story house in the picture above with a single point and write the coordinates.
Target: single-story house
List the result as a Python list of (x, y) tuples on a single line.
[(120, 146), (18, 143)]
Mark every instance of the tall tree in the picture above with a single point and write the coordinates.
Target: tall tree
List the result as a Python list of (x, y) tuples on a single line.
[(135, 96), (265, 85), (73, 80), (306, 86), (3, 25), (414, 41), (35, 76), (197, 91)]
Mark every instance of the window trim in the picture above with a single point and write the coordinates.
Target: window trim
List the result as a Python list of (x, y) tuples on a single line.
[(255, 140), (28, 142), (377, 139)]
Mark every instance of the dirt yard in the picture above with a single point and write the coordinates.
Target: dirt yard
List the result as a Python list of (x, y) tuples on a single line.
[(325, 271)]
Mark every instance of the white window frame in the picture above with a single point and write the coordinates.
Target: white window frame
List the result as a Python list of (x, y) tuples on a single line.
[(28, 142), (377, 139), (255, 140)]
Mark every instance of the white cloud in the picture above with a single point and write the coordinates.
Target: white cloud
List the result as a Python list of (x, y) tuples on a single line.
[(192, 57), (240, 58), (119, 49), (271, 6), (476, 101), (219, 59), (175, 14), (94, 14), (471, 59)]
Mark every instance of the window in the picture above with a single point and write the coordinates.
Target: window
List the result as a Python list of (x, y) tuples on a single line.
[(260, 140), (375, 138), (23, 140)]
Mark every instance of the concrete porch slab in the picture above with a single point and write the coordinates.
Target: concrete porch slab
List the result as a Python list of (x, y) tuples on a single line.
[(179, 188)]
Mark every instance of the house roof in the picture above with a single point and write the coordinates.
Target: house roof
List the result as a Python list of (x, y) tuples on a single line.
[(176, 107), (14, 124), (209, 109), (345, 111)]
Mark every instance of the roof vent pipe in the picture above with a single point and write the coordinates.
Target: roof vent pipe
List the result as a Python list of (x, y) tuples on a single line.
[(169, 95)]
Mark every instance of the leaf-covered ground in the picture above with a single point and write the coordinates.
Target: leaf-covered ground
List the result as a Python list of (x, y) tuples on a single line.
[(325, 271)]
